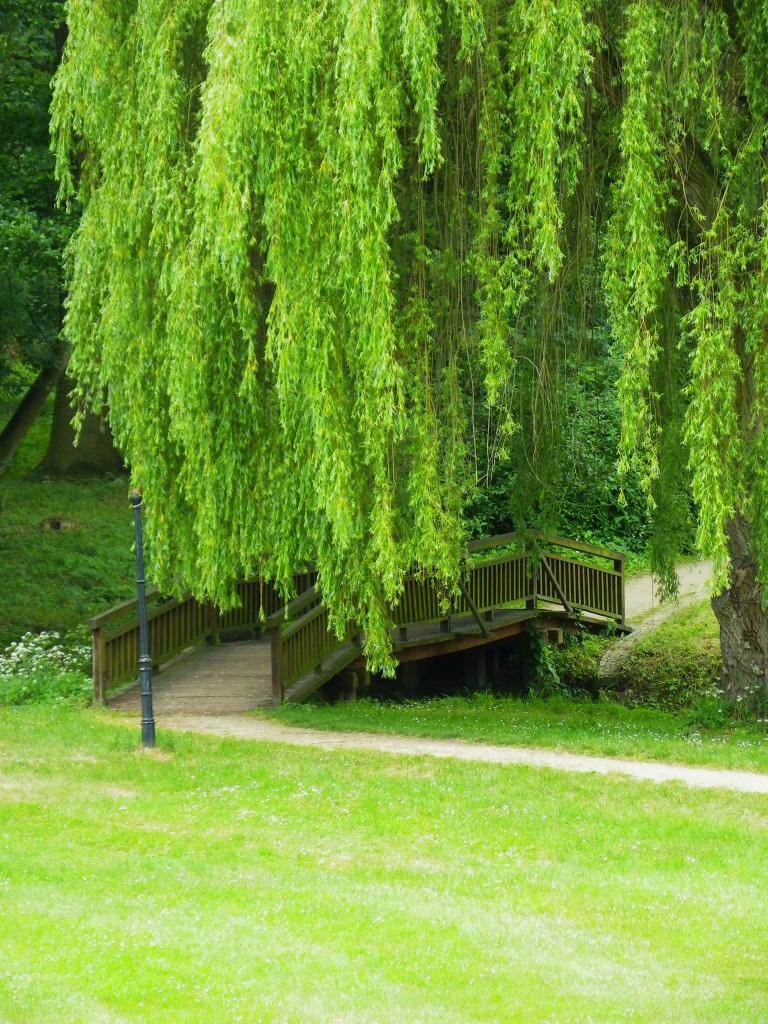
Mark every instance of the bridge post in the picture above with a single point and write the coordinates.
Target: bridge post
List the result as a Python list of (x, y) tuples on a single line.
[(277, 677), (345, 686), (618, 566), (533, 601), (99, 673)]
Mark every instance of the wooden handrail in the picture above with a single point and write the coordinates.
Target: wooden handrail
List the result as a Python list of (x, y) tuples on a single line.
[(300, 636), (174, 624), (293, 608), (130, 605), (503, 539), (162, 608), (576, 545), (499, 541), (297, 624)]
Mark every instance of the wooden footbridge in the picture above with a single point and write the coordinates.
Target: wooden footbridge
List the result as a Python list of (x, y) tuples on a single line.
[(551, 583)]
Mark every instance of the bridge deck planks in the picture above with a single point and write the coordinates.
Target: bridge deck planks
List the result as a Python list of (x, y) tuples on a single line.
[(216, 680)]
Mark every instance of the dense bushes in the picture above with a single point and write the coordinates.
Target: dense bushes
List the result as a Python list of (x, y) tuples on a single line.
[(577, 661), (676, 667), (45, 668)]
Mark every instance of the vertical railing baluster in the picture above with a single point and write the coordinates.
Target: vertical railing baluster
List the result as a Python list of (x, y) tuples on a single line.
[(277, 679), (99, 666)]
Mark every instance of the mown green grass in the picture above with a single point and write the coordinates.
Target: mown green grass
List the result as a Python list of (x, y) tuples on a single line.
[(57, 579), (218, 880), (556, 723)]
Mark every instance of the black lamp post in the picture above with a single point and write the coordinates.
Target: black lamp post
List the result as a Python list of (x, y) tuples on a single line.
[(145, 664)]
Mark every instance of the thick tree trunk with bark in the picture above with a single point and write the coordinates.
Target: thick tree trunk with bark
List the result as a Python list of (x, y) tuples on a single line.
[(740, 610), (95, 452), (743, 621)]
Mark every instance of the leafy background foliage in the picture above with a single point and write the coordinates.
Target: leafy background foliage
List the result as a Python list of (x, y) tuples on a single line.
[(33, 232)]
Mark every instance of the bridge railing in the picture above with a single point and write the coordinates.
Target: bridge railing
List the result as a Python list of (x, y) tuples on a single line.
[(586, 588), (592, 581), (301, 638), (579, 584), (531, 570), (173, 625)]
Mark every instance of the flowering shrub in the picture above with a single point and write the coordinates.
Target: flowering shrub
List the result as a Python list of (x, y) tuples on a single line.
[(46, 668)]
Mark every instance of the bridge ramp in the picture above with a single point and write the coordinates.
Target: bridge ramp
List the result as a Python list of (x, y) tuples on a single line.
[(221, 679)]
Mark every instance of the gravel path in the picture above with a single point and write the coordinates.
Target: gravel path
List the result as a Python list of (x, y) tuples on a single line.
[(247, 728), (640, 595)]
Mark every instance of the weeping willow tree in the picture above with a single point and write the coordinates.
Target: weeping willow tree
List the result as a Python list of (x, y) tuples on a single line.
[(338, 258)]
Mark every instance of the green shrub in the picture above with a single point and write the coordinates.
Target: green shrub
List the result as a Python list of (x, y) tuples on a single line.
[(670, 683), (577, 660), (44, 668), (678, 666), (544, 678)]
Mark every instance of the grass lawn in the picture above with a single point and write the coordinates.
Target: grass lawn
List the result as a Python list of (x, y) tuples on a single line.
[(223, 881), (57, 579), (556, 723)]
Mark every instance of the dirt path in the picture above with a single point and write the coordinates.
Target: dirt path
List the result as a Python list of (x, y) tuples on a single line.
[(640, 595), (247, 728)]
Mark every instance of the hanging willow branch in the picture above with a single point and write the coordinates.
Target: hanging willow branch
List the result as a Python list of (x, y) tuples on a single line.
[(332, 253)]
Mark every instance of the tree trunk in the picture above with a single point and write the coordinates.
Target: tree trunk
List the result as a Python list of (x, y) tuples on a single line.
[(743, 622), (95, 453), (740, 610), (29, 409)]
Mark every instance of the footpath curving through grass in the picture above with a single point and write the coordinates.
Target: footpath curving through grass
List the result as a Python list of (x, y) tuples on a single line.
[(554, 723), (226, 881)]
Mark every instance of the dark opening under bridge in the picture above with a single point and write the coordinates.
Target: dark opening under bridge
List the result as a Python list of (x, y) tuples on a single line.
[(553, 584)]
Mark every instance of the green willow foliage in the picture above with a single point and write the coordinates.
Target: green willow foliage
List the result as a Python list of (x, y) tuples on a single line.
[(337, 258)]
